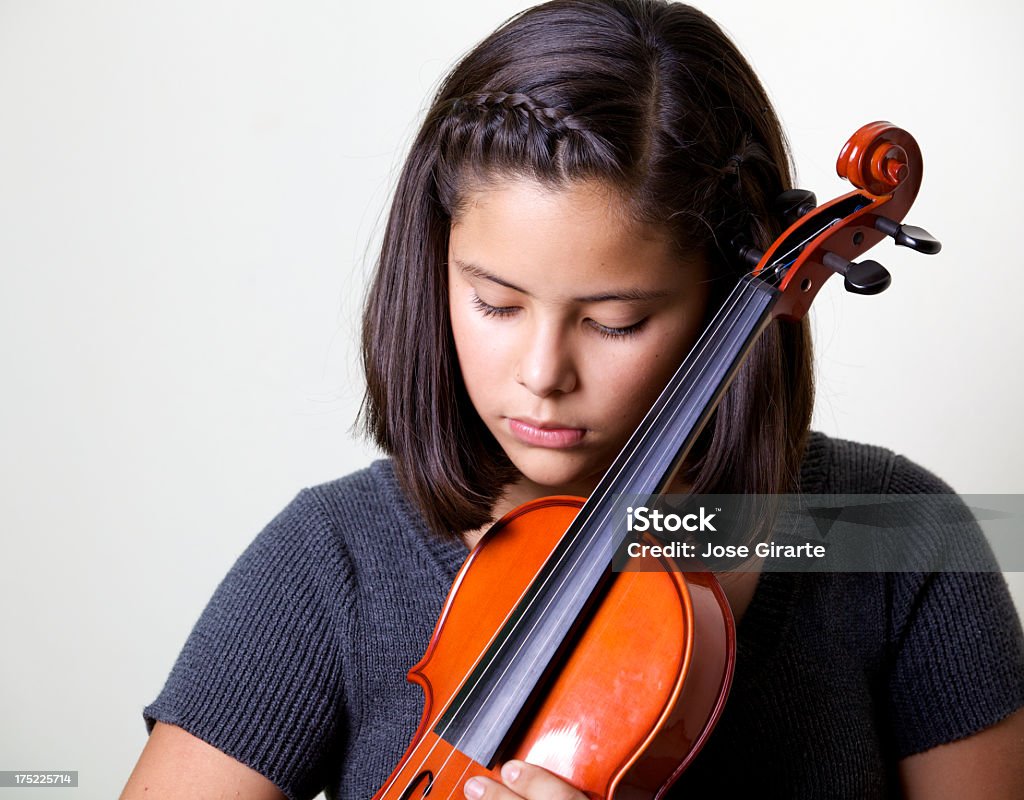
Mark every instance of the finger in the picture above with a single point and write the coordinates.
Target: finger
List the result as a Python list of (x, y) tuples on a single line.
[(536, 783), (486, 789)]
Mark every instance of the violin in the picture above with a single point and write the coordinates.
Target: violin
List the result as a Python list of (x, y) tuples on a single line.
[(613, 680)]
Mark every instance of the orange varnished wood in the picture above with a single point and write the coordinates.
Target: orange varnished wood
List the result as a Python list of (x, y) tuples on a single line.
[(884, 163), (637, 693), (698, 707)]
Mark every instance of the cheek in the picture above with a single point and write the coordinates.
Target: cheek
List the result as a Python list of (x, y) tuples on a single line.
[(478, 350), (634, 380)]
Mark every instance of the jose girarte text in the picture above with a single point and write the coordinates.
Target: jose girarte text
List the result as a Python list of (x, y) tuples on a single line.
[(643, 520)]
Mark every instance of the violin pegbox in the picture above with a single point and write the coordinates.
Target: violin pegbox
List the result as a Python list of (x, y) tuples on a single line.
[(884, 163)]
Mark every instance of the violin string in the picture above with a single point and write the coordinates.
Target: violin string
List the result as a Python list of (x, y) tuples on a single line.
[(743, 286), (736, 296), (651, 431), (775, 264), (601, 521), (797, 248), (458, 781), (739, 291)]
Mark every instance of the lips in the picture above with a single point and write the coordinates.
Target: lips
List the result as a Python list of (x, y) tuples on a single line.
[(545, 434)]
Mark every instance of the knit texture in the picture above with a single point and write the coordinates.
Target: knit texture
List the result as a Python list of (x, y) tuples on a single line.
[(297, 667)]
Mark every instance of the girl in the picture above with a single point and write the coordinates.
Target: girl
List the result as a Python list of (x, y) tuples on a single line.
[(559, 236)]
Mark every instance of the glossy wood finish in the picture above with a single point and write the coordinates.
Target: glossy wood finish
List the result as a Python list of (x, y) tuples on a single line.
[(644, 681), (884, 163)]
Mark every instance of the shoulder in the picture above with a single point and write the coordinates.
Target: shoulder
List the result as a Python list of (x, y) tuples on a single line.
[(368, 492), (276, 670), (326, 519), (365, 491), (310, 549), (952, 639), (838, 466), (372, 524)]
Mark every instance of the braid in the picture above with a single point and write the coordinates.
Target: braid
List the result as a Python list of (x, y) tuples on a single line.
[(557, 120), (514, 132)]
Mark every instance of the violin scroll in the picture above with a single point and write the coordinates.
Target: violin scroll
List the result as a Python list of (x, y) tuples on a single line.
[(879, 157), (884, 164)]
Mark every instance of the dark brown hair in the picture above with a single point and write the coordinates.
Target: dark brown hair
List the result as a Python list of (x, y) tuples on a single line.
[(650, 97)]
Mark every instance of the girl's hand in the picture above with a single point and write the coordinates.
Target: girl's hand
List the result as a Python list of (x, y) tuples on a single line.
[(524, 782)]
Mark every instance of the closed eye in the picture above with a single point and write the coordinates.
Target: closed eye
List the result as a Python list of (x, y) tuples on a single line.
[(615, 333), (606, 331), (493, 311)]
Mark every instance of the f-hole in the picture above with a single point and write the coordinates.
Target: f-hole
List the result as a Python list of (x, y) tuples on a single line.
[(410, 790)]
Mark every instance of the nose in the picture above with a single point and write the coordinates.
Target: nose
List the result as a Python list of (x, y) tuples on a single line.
[(546, 362)]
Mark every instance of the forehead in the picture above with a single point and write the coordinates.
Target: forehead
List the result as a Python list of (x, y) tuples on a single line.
[(520, 229)]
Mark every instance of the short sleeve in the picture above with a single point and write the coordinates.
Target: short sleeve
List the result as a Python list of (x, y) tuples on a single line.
[(260, 675), (955, 638)]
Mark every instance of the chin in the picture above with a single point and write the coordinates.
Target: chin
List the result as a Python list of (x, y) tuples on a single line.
[(557, 471)]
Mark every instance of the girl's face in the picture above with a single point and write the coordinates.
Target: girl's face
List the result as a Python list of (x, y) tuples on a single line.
[(568, 321)]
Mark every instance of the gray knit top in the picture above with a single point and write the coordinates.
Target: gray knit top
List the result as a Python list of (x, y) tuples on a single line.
[(297, 667)]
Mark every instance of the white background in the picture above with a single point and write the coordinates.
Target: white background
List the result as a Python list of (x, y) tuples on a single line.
[(190, 194)]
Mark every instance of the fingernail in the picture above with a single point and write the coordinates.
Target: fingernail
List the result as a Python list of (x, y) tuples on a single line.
[(510, 771), (473, 789)]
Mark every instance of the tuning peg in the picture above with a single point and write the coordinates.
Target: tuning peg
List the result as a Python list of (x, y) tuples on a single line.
[(745, 251), (909, 236), (793, 204), (867, 277)]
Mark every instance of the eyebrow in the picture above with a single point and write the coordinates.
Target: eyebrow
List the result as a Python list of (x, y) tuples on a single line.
[(631, 295)]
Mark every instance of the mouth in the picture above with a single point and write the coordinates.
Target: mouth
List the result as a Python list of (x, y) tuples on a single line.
[(545, 434)]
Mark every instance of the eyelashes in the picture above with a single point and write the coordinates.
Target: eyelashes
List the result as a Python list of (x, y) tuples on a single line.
[(618, 333), (603, 330), (492, 311)]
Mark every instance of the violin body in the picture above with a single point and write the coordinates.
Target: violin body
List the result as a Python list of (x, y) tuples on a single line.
[(635, 693)]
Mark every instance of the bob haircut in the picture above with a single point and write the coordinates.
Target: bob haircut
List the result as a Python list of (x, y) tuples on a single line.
[(649, 97)]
